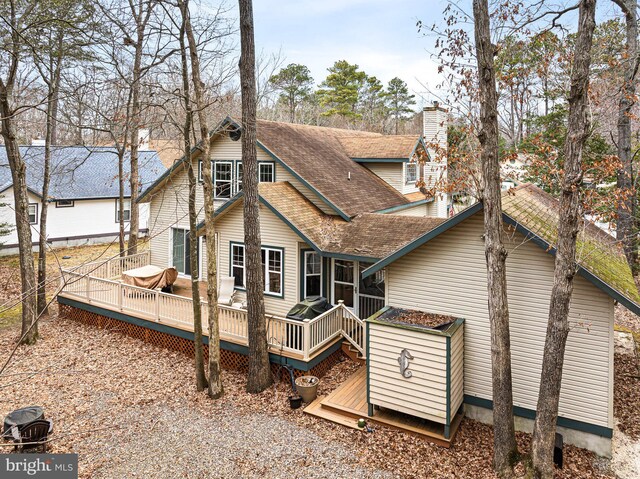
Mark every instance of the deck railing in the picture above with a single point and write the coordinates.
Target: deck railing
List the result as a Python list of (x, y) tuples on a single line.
[(112, 267), (300, 337)]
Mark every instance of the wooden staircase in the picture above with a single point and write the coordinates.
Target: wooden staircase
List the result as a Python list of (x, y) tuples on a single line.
[(348, 403), (352, 353)]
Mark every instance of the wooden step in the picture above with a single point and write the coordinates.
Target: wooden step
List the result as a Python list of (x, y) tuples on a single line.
[(352, 353), (316, 409)]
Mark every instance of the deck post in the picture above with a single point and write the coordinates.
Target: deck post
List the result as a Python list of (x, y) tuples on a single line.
[(120, 296), (157, 306), (109, 268), (306, 337), (86, 283)]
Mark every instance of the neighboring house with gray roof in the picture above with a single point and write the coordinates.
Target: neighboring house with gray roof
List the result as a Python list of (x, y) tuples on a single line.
[(339, 219), (83, 193)]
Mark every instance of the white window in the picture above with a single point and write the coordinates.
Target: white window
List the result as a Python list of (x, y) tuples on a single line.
[(222, 179), (237, 264), (239, 169), (126, 210), (181, 251), (64, 204), (200, 171), (266, 173), (272, 265), (33, 213), (312, 274), (411, 173)]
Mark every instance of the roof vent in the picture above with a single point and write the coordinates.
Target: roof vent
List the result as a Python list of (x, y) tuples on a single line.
[(235, 134)]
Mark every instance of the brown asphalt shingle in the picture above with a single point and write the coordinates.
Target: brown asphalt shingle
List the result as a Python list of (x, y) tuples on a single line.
[(371, 234), (382, 146), (316, 154)]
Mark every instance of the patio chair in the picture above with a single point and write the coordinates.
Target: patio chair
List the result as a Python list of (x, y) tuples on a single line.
[(32, 435), (226, 291)]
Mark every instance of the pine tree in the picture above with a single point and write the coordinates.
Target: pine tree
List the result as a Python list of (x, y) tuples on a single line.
[(340, 91), (399, 101), (294, 82)]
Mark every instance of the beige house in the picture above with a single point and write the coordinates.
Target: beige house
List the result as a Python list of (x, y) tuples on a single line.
[(338, 219)]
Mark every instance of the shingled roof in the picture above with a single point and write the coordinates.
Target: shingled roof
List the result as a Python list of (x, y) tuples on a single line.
[(597, 252), (368, 236), (79, 172), (317, 155), (382, 147)]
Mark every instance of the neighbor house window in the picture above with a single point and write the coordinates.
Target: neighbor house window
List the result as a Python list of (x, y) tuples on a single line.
[(411, 173), (126, 210), (222, 179), (266, 173), (64, 204), (33, 213), (272, 268), (312, 274)]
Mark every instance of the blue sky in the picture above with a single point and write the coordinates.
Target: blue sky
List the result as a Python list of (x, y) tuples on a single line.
[(378, 35)]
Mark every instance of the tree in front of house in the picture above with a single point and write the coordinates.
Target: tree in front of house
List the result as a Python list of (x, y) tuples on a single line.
[(340, 91), (399, 101), (294, 82)]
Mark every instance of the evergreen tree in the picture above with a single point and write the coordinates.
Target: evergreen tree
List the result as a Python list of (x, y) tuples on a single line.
[(371, 103), (399, 101), (340, 91), (294, 83)]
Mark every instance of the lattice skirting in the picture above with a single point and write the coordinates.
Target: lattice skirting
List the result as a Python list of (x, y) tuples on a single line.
[(229, 359)]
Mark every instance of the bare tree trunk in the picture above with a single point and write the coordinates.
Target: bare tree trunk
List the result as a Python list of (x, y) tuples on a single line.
[(134, 215), (18, 168), (121, 234), (626, 224), (259, 377), (50, 138), (201, 378), (570, 220), (505, 447), (215, 377)]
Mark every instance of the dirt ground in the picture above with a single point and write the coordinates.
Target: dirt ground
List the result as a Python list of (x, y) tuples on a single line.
[(10, 274), (131, 410)]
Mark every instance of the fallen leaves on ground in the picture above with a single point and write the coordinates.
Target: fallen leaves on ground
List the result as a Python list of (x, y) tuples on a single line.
[(124, 405)]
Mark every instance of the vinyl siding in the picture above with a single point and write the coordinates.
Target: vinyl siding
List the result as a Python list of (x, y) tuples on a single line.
[(418, 210), (457, 370), (274, 233), (424, 394), (448, 276), (88, 217), (391, 173), (169, 206)]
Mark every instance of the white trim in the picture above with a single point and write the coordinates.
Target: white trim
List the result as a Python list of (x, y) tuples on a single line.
[(305, 275), (354, 283), (215, 179)]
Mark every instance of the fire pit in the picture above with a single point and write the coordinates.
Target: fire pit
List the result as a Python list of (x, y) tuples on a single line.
[(20, 417)]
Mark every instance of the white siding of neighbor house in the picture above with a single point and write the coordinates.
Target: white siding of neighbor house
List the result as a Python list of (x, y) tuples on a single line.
[(274, 233), (448, 276), (86, 218)]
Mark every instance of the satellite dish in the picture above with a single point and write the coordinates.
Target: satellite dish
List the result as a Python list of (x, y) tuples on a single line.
[(235, 134)]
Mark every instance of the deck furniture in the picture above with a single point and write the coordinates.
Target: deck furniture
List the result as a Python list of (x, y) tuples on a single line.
[(150, 277), (32, 435), (226, 291)]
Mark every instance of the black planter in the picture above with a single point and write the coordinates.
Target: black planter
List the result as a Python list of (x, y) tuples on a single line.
[(295, 402)]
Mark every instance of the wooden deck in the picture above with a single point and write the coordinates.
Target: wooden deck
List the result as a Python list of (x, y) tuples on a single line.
[(346, 404)]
